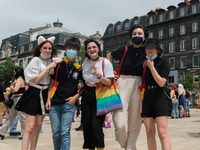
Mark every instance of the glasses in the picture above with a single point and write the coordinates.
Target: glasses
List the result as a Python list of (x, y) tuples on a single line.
[(92, 47), (150, 47)]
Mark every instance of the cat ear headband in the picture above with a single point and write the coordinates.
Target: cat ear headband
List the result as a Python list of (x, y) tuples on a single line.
[(41, 39)]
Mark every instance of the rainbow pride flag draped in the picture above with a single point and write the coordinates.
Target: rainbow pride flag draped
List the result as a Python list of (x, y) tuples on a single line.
[(108, 98)]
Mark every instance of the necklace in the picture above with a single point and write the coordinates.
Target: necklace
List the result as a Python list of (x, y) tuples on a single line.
[(71, 63), (95, 59), (137, 52)]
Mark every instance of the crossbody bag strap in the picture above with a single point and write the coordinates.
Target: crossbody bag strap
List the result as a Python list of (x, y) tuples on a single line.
[(120, 65), (103, 66), (57, 72)]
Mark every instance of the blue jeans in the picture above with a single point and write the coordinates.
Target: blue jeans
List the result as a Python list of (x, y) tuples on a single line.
[(175, 108), (186, 105), (13, 126), (61, 119)]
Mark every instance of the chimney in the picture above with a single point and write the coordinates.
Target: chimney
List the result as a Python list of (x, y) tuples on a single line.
[(187, 1)]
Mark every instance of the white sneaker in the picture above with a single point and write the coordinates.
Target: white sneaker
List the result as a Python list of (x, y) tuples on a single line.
[(198, 110)]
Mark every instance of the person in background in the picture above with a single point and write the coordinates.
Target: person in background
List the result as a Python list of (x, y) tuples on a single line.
[(107, 121), (175, 104), (157, 104), (3, 97), (181, 93), (186, 102), (196, 99), (126, 121), (18, 88)]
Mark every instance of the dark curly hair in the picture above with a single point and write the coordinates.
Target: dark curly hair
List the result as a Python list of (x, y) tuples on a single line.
[(86, 44), (73, 42), (37, 52)]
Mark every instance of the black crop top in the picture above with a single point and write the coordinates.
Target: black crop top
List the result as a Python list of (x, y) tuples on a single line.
[(20, 91)]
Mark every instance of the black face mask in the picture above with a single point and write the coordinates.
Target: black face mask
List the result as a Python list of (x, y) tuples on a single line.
[(137, 40)]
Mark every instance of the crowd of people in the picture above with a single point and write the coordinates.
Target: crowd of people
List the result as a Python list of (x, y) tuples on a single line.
[(56, 84)]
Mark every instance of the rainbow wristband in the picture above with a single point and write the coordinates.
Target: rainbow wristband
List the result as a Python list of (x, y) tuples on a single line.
[(80, 81), (99, 77)]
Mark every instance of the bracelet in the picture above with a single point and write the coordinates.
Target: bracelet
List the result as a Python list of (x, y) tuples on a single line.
[(80, 81), (100, 77)]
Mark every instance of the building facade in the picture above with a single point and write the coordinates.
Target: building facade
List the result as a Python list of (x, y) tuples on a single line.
[(20, 47), (178, 30)]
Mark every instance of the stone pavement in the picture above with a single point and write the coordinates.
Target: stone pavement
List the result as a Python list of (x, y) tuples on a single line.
[(183, 134)]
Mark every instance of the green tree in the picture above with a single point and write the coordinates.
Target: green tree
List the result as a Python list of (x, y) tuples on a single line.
[(189, 81), (81, 55), (6, 71)]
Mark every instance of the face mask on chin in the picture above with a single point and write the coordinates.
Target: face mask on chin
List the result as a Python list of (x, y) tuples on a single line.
[(44, 56), (137, 40), (154, 57), (71, 53)]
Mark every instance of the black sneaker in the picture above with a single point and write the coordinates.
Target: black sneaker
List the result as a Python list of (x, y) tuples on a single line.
[(20, 138), (172, 117), (2, 137), (80, 128), (14, 133)]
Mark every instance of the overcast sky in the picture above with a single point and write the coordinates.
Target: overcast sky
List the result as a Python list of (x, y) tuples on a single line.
[(84, 16)]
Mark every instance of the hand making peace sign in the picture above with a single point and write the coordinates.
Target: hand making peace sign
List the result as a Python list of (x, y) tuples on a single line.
[(95, 72)]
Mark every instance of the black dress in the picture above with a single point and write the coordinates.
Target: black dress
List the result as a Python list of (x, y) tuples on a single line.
[(156, 100)]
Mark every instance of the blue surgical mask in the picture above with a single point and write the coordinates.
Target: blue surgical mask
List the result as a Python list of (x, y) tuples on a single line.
[(44, 56), (71, 53), (151, 57)]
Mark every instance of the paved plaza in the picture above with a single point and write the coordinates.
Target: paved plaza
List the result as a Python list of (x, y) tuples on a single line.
[(183, 134)]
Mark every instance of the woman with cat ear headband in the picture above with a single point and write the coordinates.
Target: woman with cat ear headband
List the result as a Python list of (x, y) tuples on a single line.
[(37, 75)]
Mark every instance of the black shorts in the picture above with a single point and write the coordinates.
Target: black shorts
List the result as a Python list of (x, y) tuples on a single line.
[(30, 101), (156, 103)]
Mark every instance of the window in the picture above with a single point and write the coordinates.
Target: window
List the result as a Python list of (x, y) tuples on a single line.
[(30, 47), (182, 29), (6, 52), (183, 62), (118, 28), (182, 11), (194, 9), (151, 20), (183, 45), (171, 14), (151, 35), (195, 77), (110, 30), (161, 17), (21, 49), (172, 63), (195, 43), (161, 34), (172, 47), (162, 47), (29, 59), (136, 21), (126, 26), (196, 60), (171, 32), (171, 79), (195, 27), (182, 77), (21, 63)]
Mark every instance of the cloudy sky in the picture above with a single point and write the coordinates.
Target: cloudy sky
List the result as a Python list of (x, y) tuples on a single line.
[(84, 16)]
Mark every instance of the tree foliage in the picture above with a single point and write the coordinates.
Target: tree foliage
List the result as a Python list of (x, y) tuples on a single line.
[(6, 71), (189, 81), (81, 55)]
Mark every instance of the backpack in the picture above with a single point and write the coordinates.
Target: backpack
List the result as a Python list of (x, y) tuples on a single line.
[(187, 94)]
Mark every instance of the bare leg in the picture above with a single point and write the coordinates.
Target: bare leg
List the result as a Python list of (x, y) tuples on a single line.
[(30, 123), (151, 132), (35, 133), (162, 127)]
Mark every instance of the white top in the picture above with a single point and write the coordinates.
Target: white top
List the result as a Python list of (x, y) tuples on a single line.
[(88, 68), (34, 68)]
